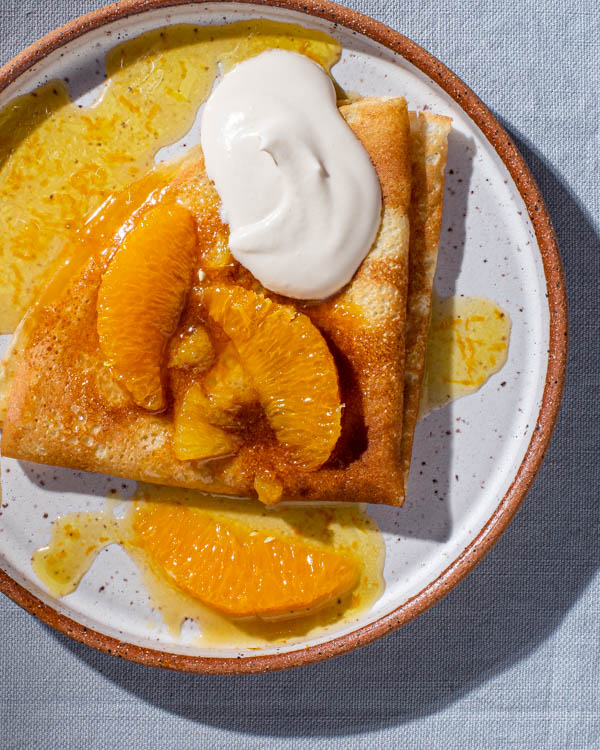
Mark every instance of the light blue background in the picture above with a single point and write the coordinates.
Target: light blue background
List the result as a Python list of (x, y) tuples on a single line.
[(511, 658)]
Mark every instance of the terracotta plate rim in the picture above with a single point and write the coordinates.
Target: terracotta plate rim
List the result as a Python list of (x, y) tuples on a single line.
[(555, 375)]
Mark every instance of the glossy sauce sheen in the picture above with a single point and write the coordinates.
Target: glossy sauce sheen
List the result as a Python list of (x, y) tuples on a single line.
[(467, 344), (59, 162), (77, 539)]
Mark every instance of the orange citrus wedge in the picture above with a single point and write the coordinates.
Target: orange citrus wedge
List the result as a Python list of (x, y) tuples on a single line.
[(196, 438), (237, 571), (291, 366), (192, 348), (140, 300), (230, 388), (268, 488)]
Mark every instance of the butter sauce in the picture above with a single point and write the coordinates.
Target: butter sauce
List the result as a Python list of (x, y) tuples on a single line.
[(77, 538), (467, 344), (59, 161)]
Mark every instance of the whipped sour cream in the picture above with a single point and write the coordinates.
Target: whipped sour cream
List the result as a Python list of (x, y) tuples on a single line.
[(298, 189)]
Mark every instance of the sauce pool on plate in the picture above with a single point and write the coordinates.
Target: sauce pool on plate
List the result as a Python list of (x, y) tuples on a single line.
[(344, 530), (467, 344), (60, 161)]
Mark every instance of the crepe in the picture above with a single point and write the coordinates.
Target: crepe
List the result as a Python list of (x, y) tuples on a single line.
[(429, 148), (64, 408)]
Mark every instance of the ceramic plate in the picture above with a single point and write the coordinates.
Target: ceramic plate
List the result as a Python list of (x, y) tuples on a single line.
[(473, 461)]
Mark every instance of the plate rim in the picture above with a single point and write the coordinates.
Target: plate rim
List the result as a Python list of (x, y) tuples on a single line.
[(532, 460)]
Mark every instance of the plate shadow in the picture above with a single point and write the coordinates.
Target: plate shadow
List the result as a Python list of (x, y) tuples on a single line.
[(426, 512)]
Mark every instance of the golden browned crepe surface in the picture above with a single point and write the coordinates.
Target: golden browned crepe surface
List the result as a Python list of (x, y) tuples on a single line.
[(65, 408)]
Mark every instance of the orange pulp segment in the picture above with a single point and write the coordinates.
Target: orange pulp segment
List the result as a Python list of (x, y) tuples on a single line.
[(140, 299), (291, 367), (193, 348), (268, 488), (230, 389), (196, 437), (239, 572)]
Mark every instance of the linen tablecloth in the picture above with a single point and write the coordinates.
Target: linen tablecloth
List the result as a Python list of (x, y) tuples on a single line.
[(511, 658)]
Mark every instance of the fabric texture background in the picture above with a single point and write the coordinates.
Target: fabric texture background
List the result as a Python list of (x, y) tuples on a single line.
[(511, 658)]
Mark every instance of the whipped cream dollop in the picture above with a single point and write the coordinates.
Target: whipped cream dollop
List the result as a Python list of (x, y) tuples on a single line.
[(298, 189)]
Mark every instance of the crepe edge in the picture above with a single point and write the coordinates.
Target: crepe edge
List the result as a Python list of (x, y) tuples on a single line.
[(429, 150)]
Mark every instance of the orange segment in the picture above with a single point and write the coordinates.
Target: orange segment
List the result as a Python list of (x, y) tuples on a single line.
[(226, 399), (231, 390), (237, 571), (268, 488), (195, 436), (193, 348), (291, 366), (140, 299)]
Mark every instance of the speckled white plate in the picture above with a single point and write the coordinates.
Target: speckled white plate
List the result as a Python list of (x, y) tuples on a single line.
[(467, 456)]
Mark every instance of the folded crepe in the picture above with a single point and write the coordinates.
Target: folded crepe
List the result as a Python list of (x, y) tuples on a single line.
[(62, 406), (429, 148)]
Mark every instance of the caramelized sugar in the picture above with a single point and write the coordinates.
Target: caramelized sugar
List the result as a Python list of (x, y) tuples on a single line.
[(467, 344), (59, 161), (333, 529)]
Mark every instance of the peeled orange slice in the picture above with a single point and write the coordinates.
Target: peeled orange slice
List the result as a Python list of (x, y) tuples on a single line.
[(268, 488), (140, 299), (230, 389), (193, 348), (223, 400), (196, 437), (237, 571), (291, 367)]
